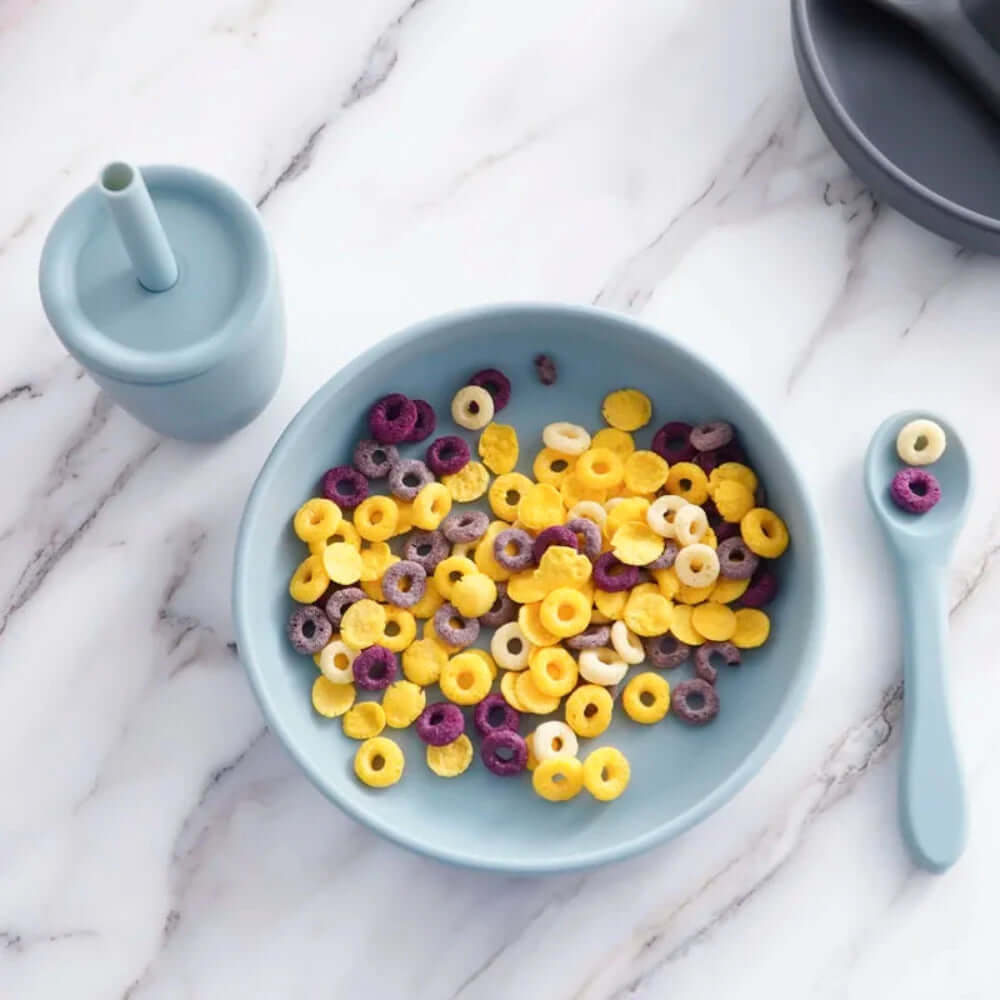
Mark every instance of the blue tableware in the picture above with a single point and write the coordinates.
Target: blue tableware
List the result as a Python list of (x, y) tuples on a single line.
[(163, 285), (679, 773), (932, 807)]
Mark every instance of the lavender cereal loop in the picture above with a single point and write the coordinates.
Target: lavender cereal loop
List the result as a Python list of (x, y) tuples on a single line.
[(666, 651), (493, 713), (512, 549), (712, 436), (504, 752), (588, 535), (408, 478), (695, 701), (427, 548), (404, 583), (465, 526), (440, 724), (392, 418), (703, 667), (666, 558), (736, 561), (453, 628), (345, 486), (309, 630), (504, 610), (496, 384), (374, 459), (447, 455), (340, 600), (592, 637), (426, 421)]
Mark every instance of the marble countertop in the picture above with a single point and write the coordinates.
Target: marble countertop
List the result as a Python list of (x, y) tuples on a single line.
[(653, 157)]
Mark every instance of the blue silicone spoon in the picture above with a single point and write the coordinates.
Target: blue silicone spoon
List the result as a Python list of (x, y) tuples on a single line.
[(931, 794)]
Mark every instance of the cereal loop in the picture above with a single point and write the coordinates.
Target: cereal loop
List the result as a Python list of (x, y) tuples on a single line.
[(764, 532), (602, 666), (379, 762), (472, 407), (552, 467), (431, 506), (510, 647), (600, 469), (565, 612), (506, 492), (618, 441), (375, 518), (317, 519), (662, 514), (627, 644), (588, 710), (392, 418), (687, 480), (690, 524), (529, 695), (558, 779), (606, 773), (554, 670), (530, 619), (920, 442), (570, 439), (697, 565), (646, 698), (309, 581), (554, 739), (400, 629), (449, 571), (465, 679)]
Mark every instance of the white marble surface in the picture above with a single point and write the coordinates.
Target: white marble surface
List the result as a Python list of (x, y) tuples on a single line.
[(654, 156)]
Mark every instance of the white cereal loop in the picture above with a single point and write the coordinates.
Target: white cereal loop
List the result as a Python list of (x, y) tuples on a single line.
[(627, 644), (661, 514), (554, 739), (690, 524), (472, 407), (589, 509), (570, 439), (921, 442), (500, 646), (697, 565), (336, 662), (602, 666), (609, 505)]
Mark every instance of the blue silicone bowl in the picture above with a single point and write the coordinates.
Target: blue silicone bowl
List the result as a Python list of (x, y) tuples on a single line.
[(679, 773)]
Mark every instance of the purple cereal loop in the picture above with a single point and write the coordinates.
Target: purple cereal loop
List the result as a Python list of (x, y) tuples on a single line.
[(762, 590), (612, 576), (309, 630), (489, 708), (440, 723), (340, 600), (448, 455), (707, 461), (736, 561), (592, 637), (374, 459), (915, 490), (697, 690), (711, 436), (427, 548), (392, 583), (557, 534), (545, 369), (408, 477), (496, 384), (672, 442), (464, 634), (504, 610), (666, 558), (703, 659), (345, 486), (392, 418), (375, 668), (426, 421), (513, 748), (588, 535), (520, 541), (465, 526), (666, 651)]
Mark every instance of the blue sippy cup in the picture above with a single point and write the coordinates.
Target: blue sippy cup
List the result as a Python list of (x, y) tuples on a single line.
[(163, 285)]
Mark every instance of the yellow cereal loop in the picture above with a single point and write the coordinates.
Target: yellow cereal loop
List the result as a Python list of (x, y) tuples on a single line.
[(564, 612), (526, 587), (450, 760), (469, 483), (528, 694), (561, 566), (627, 409), (648, 613), (507, 689), (600, 469), (715, 622), (636, 544), (430, 632), (752, 629), (400, 629), (485, 559), (552, 466), (687, 480), (694, 595), (342, 563), (379, 762), (666, 580), (364, 720), (506, 492), (363, 624), (331, 700), (429, 603), (606, 773), (486, 658), (346, 533), (680, 626), (498, 448), (541, 507), (764, 532), (423, 660), (402, 702), (530, 619), (625, 511), (573, 491), (645, 471), (465, 679), (373, 588), (620, 442), (449, 571), (474, 594), (431, 506), (733, 500), (646, 698), (588, 710), (375, 560), (611, 603), (375, 518), (553, 670), (558, 778), (726, 591), (733, 471), (316, 520), (532, 761), (309, 581), (404, 517)]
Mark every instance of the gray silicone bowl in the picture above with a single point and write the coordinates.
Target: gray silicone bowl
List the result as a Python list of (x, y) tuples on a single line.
[(914, 132)]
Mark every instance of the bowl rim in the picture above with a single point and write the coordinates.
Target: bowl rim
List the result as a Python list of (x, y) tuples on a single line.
[(776, 730)]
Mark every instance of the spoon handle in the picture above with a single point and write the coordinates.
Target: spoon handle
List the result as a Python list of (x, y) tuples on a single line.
[(931, 793)]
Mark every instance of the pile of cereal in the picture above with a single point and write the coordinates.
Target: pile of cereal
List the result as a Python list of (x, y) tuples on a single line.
[(915, 489), (611, 557)]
